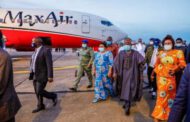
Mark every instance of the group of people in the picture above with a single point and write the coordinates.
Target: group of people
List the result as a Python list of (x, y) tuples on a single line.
[(116, 72)]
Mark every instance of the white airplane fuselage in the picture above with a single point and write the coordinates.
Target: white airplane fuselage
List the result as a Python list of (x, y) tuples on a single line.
[(65, 28)]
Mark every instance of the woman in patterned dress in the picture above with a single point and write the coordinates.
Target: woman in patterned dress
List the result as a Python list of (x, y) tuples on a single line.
[(168, 63), (102, 70)]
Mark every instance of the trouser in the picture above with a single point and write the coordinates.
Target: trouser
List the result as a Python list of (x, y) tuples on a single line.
[(41, 92), (178, 77), (11, 120), (151, 83), (80, 72), (117, 86), (127, 105)]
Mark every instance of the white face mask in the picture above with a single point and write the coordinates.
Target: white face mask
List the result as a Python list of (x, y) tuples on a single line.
[(178, 44), (167, 47), (84, 45), (151, 43)]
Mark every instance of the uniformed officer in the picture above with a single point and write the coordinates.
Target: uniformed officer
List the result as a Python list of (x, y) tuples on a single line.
[(86, 59)]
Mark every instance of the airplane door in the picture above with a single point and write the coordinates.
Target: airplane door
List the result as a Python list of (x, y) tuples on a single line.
[(85, 24), (103, 33)]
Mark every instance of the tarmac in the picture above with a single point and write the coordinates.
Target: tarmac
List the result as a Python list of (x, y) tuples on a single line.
[(72, 106)]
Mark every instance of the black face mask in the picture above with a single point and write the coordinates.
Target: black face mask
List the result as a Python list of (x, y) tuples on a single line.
[(33, 45)]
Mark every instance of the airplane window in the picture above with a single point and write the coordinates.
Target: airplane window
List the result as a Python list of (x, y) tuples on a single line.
[(107, 23)]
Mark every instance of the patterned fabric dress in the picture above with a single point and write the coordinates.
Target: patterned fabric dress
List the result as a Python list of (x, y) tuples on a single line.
[(103, 85), (165, 82)]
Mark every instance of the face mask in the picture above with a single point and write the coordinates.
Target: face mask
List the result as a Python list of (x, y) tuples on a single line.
[(33, 45), (178, 44), (127, 47), (151, 43), (101, 49), (155, 46), (84, 45), (167, 47), (108, 43)]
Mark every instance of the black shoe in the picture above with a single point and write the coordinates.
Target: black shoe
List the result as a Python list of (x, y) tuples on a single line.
[(153, 97), (73, 89), (55, 100), (127, 112), (38, 109), (127, 108), (89, 86), (123, 106)]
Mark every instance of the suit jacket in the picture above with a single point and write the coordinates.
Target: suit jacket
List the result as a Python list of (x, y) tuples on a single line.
[(188, 54), (181, 104), (9, 102), (43, 65)]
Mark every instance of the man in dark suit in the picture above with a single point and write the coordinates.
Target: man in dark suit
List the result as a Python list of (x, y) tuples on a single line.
[(41, 73), (179, 46), (9, 102), (181, 105)]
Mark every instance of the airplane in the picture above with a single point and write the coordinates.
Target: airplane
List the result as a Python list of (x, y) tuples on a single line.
[(65, 28)]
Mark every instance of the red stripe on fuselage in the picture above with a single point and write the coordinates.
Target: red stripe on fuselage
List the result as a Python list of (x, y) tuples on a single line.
[(19, 39)]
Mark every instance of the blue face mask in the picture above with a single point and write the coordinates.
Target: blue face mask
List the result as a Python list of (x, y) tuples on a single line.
[(127, 47), (155, 46), (101, 49), (108, 43)]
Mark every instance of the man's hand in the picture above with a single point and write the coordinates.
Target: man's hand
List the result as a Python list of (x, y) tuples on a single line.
[(89, 65), (109, 74), (172, 72), (50, 80), (152, 76), (115, 76), (93, 72)]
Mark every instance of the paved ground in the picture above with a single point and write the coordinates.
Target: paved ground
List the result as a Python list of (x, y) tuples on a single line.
[(71, 107)]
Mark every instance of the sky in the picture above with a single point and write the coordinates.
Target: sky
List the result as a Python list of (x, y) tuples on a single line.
[(138, 18)]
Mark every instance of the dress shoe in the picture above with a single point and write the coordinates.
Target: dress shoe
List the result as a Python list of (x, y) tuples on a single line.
[(55, 100), (73, 89), (153, 97), (123, 106), (127, 108), (127, 112), (89, 86), (38, 109)]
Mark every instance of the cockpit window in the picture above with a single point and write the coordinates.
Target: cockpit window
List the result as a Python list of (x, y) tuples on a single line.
[(107, 23)]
